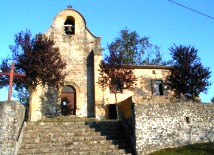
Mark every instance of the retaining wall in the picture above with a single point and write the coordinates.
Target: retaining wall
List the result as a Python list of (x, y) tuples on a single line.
[(165, 125), (157, 125)]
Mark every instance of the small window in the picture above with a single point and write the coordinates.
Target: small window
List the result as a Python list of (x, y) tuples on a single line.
[(187, 120), (69, 25), (153, 71)]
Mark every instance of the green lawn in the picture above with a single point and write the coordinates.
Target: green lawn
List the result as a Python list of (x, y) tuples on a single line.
[(196, 149)]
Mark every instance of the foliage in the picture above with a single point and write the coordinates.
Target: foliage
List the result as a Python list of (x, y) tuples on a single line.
[(49, 102), (136, 50), (23, 96), (115, 75), (37, 58), (4, 67), (195, 149), (212, 100), (188, 76)]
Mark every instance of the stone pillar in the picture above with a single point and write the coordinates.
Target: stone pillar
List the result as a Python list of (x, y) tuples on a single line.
[(11, 120)]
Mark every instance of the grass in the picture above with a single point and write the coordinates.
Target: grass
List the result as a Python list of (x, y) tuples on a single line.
[(196, 149)]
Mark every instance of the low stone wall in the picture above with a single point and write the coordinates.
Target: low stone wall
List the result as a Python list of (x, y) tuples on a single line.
[(154, 123), (11, 120), (167, 125)]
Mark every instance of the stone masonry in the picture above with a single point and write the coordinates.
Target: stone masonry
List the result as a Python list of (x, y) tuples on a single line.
[(82, 53), (11, 120), (157, 125), (79, 137)]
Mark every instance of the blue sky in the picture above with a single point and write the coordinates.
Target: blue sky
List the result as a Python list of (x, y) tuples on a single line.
[(164, 22)]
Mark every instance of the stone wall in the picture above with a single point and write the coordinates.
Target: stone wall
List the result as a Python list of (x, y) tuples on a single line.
[(159, 122), (167, 125), (11, 120)]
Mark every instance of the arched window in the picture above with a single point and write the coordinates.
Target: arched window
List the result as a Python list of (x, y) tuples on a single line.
[(69, 25)]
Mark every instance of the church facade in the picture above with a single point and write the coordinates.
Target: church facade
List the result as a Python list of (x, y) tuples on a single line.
[(81, 95)]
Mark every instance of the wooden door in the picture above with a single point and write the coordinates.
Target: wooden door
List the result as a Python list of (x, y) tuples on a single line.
[(68, 101)]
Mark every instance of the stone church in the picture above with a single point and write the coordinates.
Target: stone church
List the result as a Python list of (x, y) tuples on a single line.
[(81, 94)]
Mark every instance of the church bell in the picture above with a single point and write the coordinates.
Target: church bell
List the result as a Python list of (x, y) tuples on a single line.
[(68, 29)]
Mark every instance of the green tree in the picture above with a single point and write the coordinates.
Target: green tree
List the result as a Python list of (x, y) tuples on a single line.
[(212, 100), (22, 95), (38, 58), (136, 50), (188, 76)]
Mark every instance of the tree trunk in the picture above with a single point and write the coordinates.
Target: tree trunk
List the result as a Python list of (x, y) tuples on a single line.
[(115, 97)]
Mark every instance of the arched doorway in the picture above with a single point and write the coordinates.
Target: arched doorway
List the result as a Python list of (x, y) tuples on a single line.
[(68, 101)]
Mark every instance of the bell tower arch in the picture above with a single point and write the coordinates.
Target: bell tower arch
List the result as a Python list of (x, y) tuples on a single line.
[(69, 25)]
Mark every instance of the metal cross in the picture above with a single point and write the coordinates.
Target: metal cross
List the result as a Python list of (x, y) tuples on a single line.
[(69, 7), (11, 75)]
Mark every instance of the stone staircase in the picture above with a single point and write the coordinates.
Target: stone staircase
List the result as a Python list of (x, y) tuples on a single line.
[(75, 138)]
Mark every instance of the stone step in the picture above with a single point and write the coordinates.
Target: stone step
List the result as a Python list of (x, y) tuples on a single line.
[(75, 146), (82, 128), (95, 139), (72, 152), (37, 126), (107, 135), (87, 135), (46, 134), (79, 140), (86, 149), (77, 137)]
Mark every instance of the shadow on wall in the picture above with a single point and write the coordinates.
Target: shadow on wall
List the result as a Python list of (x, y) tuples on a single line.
[(90, 85), (126, 111), (50, 107), (145, 86)]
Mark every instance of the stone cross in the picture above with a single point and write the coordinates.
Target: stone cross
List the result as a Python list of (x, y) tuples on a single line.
[(11, 75)]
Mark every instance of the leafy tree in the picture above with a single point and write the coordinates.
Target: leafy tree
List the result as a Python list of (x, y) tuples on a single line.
[(22, 95), (114, 74), (38, 58), (188, 76), (136, 50), (212, 100), (49, 102)]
